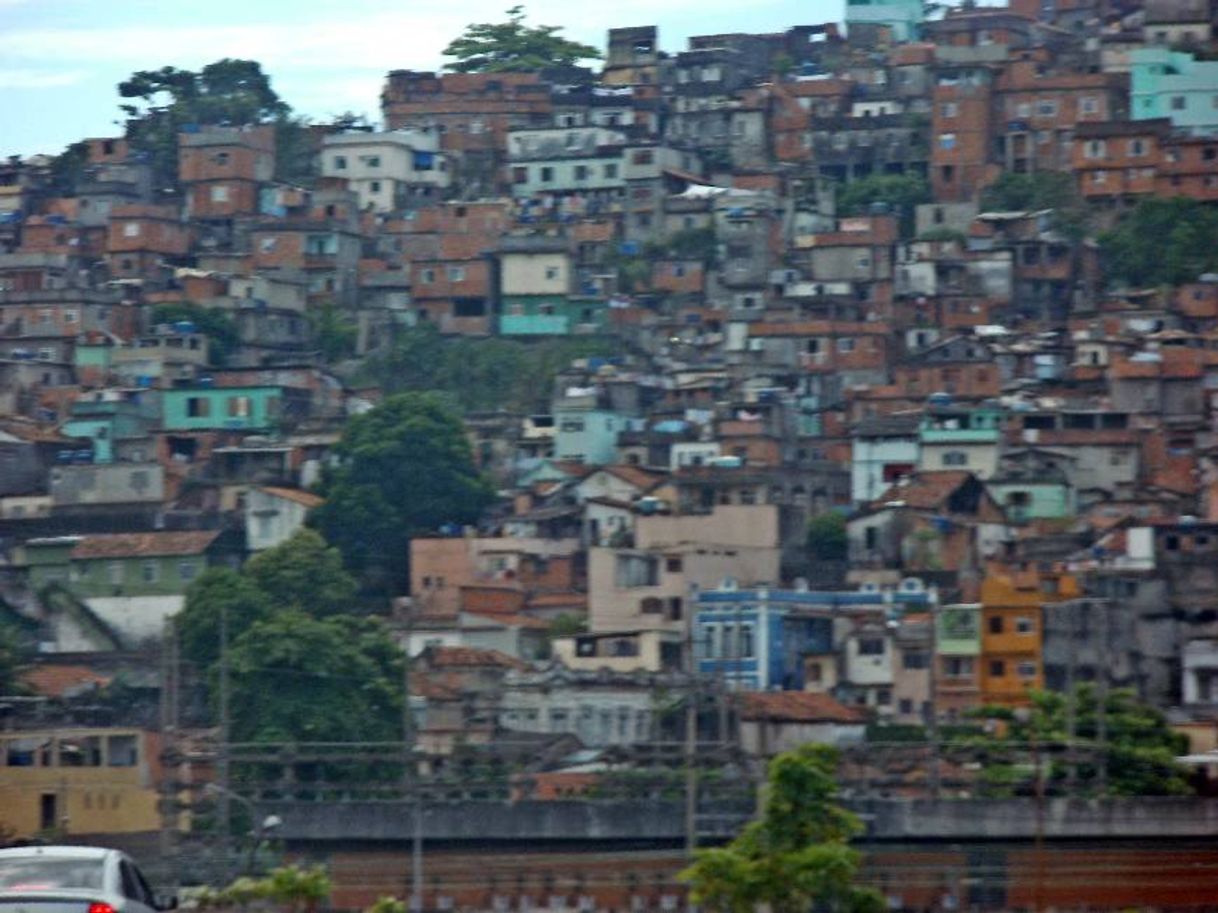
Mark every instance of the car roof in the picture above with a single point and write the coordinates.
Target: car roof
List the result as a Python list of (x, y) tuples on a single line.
[(62, 852)]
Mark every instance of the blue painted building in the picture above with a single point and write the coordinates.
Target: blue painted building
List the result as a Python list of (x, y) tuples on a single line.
[(756, 639)]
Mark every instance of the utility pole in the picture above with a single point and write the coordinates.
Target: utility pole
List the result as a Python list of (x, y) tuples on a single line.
[(410, 774), (932, 722), (1101, 709), (691, 731), (223, 754)]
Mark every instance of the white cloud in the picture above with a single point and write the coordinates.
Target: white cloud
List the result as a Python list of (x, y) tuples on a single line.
[(37, 79)]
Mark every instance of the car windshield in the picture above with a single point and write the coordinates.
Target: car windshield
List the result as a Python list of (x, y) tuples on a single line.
[(48, 874)]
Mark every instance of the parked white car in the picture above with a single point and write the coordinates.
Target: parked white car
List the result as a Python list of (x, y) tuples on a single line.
[(73, 879)]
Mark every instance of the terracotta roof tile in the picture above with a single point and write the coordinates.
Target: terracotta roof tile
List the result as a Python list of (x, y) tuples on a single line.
[(466, 657), (797, 707), (926, 490), (306, 498), (133, 545), (634, 475), (52, 680)]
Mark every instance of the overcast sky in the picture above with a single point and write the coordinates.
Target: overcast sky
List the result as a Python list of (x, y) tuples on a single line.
[(60, 60)]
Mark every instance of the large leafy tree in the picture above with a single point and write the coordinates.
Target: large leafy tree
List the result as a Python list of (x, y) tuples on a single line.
[(796, 857), (299, 678), (12, 658), (1163, 242), (405, 468), (1136, 754), (229, 91), (1055, 190), (899, 191), (303, 573), (512, 46), (217, 592)]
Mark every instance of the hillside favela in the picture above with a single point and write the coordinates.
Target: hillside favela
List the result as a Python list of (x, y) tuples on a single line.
[(749, 473)]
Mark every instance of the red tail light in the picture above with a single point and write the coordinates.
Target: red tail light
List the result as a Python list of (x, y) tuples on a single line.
[(101, 908)]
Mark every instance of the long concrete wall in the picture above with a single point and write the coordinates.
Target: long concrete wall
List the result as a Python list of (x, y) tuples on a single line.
[(663, 821)]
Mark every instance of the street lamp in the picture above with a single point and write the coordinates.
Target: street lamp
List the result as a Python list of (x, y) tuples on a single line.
[(260, 830)]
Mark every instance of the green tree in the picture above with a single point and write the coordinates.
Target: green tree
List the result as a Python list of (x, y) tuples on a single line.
[(334, 333), (303, 573), (1162, 242), (899, 191), (218, 591), (12, 659), (296, 678), (1055, 190), (68, 169), (161, 102), (219, 328), (796, 857), (512, 46), (404, 468), (827, 540), (1138, 754)]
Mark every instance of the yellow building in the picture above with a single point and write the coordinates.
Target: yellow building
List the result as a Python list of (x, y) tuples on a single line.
[(78, 781), (1012, 629)]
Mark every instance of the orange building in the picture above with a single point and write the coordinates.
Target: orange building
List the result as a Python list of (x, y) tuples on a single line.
[(1012, 630)]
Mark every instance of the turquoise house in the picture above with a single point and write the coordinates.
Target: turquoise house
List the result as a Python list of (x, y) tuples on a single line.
[(903, 17), (1173, 84), (221, 408), (590, 435), (550, 315)]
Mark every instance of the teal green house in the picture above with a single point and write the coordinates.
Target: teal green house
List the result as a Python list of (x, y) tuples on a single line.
[(1176, 85), (903, 17), (110, 422), (1033, 485), (221, 408), (121, 564), (551, 315)]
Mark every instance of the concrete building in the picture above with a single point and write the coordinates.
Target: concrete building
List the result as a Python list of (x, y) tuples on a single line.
[(388, 171), (1175, 85), (901, 19)]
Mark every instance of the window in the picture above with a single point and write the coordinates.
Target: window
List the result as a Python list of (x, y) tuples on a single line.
[(131, 229), (611, 170), (187, 571), (1024, 625), (340, 163), (552, 272), (949, 109), (636, 570), (1137, 147), (581, 172), (239, 407), (996, 624), (845, 344), (673, 564), (198, 407), (915, 659), (1026, 670), (947, 141), (1095, 149), (1046, 109), (957, 666), (1178, 102), (547, 174), (456, 274), (571, 425), (955, 458), (374, 187), (150, 572), (814, 673), (1089, 105), (520, 175), (998, 668), (871, 646)]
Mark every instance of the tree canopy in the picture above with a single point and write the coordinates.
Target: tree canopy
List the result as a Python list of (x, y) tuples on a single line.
[(305, 573), (478, 374), (299, 678), (796, 856), (229, 91), (12, 658), (1056, 190), (1162, 242), (899, 191), (405, 468), (512, 46), (827, 539), (1138, 750)]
